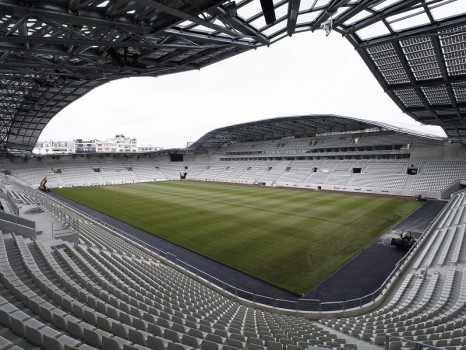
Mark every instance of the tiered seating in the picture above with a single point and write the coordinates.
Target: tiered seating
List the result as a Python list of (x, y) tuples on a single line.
[(32, 318), (185, 313), (113, 172), (256, 170), (241, 172), (379, 181), (86, 298), (273, 174), (319, 177), (374, 175), (195, 169), (118, 177), (80, 174), (212, 173), (428, 306), (384, 168), (171, 170), (298, 173), (338, 178), (379, 175), (383, 158), (232, 173), (147, 172), (438, 175), (96, 236), (334, 143), (252, 146), (34, 174)]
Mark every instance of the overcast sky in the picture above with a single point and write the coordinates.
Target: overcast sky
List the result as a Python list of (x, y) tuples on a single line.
[(308, 73)]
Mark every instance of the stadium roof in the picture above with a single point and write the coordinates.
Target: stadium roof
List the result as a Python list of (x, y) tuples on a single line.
[(53, 52), (302, 126)]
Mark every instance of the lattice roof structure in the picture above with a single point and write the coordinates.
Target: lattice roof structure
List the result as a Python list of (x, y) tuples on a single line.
[(53, 52), (296, 126)]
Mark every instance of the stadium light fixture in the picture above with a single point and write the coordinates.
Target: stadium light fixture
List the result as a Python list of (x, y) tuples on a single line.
[(327, 26)]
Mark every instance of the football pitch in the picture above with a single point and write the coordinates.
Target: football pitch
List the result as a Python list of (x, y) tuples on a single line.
[(290, 238)]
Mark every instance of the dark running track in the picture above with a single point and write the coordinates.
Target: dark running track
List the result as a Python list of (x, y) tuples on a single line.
[(359, 277)]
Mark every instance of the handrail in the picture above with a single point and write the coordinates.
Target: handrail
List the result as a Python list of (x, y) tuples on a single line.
[(12, 204), (300, 304)]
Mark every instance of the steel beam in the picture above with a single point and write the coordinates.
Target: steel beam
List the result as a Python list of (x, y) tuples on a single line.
[(242, 26), (186, 17), (293, 8), (432, 29), (443, 70), (456, 109), (428, 83), (412, 78), (353, 11), (329, 11), (123, 44), (269, 11), (209, 38), (61, 14), (389, 11)]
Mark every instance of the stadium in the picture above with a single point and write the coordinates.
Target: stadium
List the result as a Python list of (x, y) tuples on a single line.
[(289, 233)]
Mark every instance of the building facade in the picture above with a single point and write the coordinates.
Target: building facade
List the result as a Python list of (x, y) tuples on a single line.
[(118, 144)]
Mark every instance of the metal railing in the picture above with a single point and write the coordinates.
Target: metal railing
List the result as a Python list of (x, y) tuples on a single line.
[(55, 206), (12, 204)]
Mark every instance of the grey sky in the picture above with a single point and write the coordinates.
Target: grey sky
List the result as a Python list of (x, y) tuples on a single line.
[(306, 74)]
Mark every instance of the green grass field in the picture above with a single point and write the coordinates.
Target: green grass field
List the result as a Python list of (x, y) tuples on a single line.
[(290, 238)]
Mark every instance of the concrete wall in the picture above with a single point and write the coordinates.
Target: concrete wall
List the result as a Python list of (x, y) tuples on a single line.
[(203, 158), (449, 151), (20, 226)]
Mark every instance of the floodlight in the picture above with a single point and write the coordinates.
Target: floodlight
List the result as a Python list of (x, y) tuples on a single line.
[(327, 26)]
